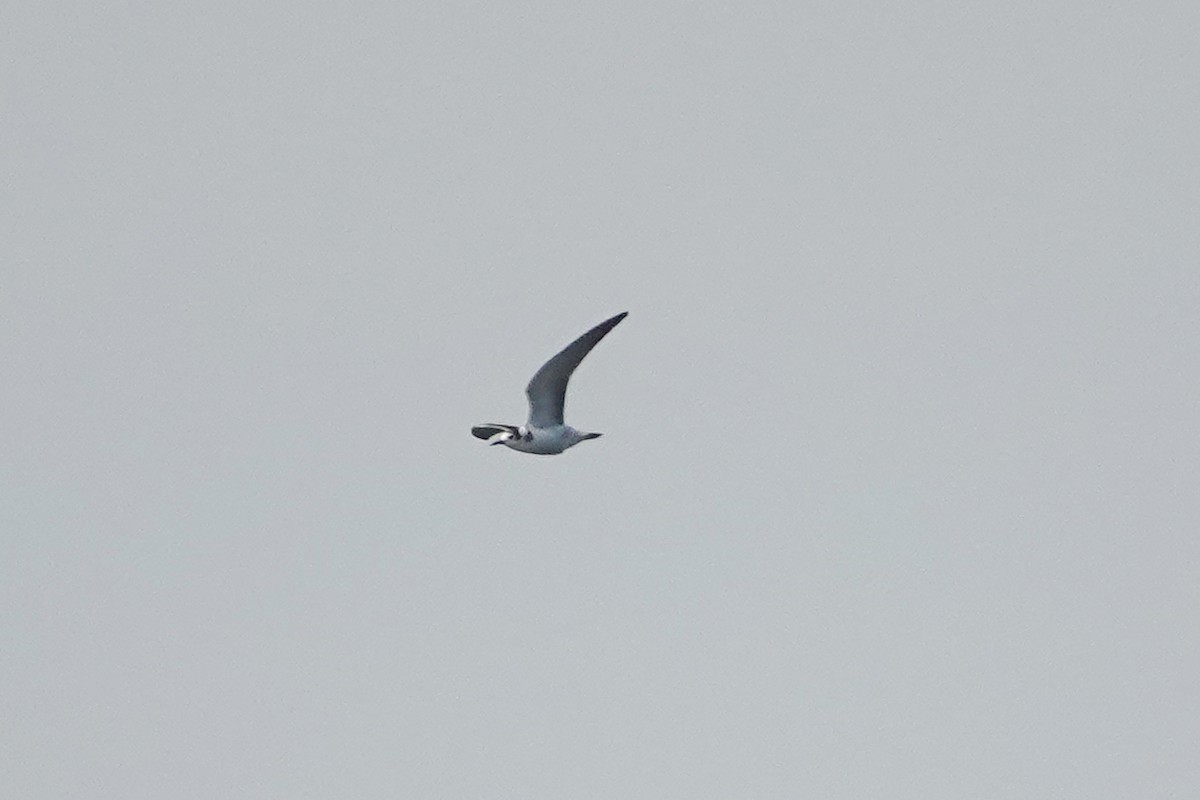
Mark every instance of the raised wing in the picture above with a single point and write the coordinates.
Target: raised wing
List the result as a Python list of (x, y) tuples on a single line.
[(547, 390)]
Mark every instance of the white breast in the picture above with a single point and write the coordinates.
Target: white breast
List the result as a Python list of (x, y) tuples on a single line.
[(545, 441)]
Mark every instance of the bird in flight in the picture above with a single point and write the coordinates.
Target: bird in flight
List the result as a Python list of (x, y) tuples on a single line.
[(545, 433)]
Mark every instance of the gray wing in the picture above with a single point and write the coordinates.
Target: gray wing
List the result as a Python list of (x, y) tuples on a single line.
[(547, 390)]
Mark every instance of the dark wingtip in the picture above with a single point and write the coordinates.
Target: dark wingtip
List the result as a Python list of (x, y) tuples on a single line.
[(490, 429), (611, 322)]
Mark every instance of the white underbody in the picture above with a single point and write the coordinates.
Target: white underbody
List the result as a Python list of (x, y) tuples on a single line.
[(543, 441)]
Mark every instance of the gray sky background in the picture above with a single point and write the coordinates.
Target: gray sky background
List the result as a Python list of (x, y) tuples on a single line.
[(898, 493)]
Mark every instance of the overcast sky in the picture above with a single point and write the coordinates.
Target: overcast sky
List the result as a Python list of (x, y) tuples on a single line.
[(897, 496)]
